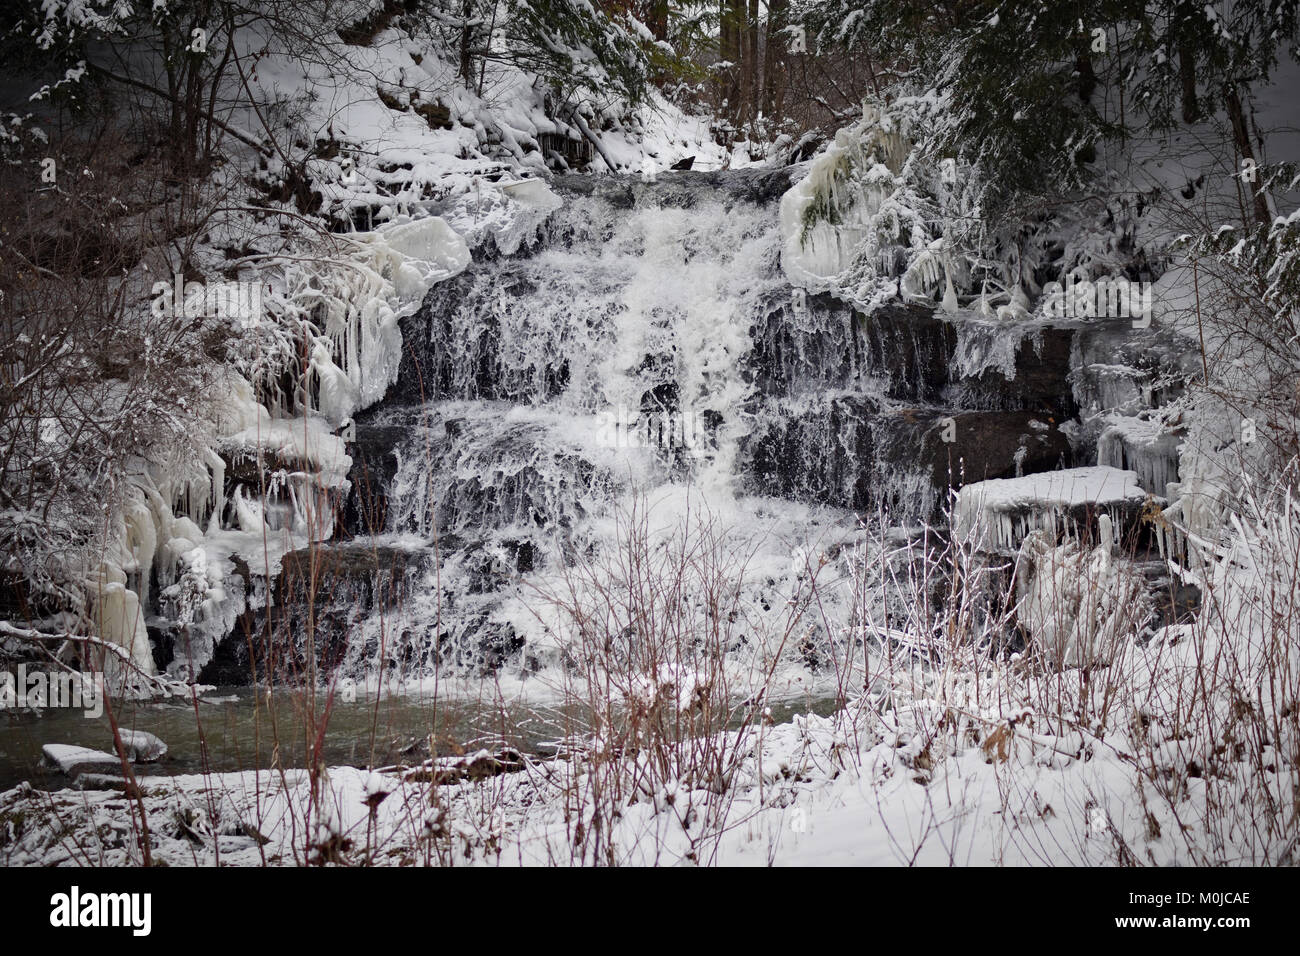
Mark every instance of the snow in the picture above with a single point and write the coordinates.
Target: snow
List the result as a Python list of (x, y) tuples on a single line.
[(1066, 488), (956, 765), (878, 788)]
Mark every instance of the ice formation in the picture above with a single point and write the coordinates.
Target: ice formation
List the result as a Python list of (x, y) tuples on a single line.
[(853, 178), (119, 619), (991, 346), (276, 469), (384, 275), (1143, 446), (1078, 604)]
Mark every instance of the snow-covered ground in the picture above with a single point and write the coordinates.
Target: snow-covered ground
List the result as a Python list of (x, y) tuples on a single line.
[(927, 785)]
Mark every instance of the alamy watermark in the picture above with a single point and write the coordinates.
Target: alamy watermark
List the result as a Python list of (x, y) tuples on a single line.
[(652, 429), (223, 300), (74, 909), (1108, 297), (61, 689)]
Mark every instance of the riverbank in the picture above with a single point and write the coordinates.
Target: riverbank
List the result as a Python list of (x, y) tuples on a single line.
[(969, 760)]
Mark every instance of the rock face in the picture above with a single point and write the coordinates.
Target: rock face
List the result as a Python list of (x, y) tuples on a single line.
[(853, 453), (325, 592), (878, 411)]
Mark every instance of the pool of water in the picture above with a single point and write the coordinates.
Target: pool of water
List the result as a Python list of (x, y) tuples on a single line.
[(236, 728)]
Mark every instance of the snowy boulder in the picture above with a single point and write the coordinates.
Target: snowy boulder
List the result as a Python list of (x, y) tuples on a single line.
[(73, 760), (142, 746), (998, 515)]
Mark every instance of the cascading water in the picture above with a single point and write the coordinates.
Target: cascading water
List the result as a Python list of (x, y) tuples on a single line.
[(610, 360), (641, 347)]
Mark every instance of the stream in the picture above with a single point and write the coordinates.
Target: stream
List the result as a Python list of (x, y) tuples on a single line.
[(240, 728)]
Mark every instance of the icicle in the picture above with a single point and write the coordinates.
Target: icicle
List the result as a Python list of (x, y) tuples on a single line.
[(949, 293), (217, 466), (1105, 533)]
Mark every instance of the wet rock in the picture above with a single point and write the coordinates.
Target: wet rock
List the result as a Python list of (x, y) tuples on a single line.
[(100, 781), (480, 766), (820, 452), (1175, 601), (983, 445), (374, 463), (1041, 383), (807, 343), (326, 591), (852, 452)]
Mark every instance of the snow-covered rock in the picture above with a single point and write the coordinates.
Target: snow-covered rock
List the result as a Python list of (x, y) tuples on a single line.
[(998, 515), (73, 760), (1143, 446), (142, 746)]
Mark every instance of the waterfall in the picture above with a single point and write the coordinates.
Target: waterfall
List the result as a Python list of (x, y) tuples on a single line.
[(634, 348), (641, 347)]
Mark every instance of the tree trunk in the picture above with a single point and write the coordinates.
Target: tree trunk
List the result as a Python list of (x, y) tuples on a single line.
[(1187, 71), (658, 19), (751, 62), (1241, 136), (466, 41), (774, 46), (1087, 76), (730, 36)]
